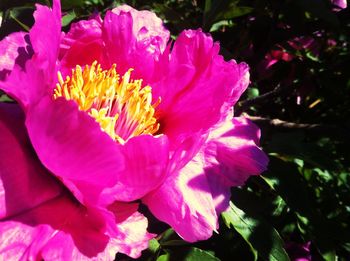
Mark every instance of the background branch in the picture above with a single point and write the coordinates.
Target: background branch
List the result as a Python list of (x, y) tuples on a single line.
[(318, 129), (279, 91)]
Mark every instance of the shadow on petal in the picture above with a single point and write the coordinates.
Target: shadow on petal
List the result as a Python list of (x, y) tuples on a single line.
[(33, 201)]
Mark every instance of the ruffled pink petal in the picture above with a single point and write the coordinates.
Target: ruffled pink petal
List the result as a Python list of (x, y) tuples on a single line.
[(146, 160), (231, 156), (147, 27), (132, 226), (28, 86), (239, 127), (127, 37), (119, 40), (45, 35), (126, 49), (184, 201), (82, 44), (84, 229), (38, 78), (237, 153), (14, 49), (71, 144), (228, 158), (196, 85), (34, 206), (62, 231), (56, 230), (21, 242), (62, 247), (39, 219)]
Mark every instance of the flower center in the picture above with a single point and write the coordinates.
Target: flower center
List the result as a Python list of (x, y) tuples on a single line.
[(122, 107)]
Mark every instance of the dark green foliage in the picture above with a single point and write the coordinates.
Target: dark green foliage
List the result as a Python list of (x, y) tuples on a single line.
[(301, 103)]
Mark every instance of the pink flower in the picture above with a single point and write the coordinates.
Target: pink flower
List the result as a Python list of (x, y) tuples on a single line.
[(280, 53), (339, 4), (129, 117)]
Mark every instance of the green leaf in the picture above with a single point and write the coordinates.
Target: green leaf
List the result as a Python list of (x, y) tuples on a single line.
[(188, 254), (170, 238), (168, 235), (178, 250), (211, 11), (196, 254), (165, 257), (309, 152), (153, 245), (216, 26), (5, 98), (285, 179), (17, 13), (69, 4), (219, 10), (233, 12), (175, 243), (68, 18), (260, 236)]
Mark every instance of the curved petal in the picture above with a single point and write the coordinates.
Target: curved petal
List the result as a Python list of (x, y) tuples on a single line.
[(196, 85), (71, 144), (220, 189), (147, 27), (243, 129), (59, 229), (127, 37), (61, 246), (186, 150), (234, 146), (146, 160), (133, 236), (45, 35), (231, 156), (28, 86), (14, 49), (24, 183), (38, 77), (184, 201), (126, 49), (82, 44), (118, 38), (34, 207)]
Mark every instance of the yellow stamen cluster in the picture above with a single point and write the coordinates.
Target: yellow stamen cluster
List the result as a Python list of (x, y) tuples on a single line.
[(122, 107)]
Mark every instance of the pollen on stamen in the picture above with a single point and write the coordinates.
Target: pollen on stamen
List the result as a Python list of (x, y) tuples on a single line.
[(122, 107)]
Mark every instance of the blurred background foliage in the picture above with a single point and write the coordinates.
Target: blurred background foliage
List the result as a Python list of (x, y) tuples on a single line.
[(298, 52)]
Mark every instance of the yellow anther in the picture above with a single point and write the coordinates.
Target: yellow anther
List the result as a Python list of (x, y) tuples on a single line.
[(122, 107)]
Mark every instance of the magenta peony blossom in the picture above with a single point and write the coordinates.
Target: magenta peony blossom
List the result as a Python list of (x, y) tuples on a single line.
[(115, 113)]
